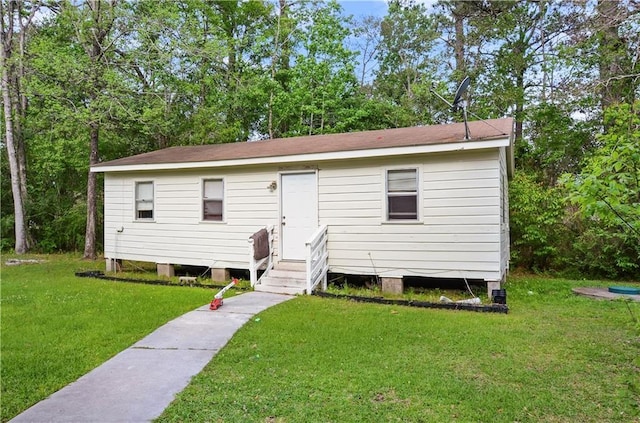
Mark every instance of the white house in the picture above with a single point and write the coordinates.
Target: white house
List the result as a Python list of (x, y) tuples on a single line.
[(421, 201)]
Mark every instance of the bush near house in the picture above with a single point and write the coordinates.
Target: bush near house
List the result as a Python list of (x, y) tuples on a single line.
[(549, 234)]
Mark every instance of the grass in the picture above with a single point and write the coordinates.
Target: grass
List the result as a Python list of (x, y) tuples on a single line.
[(555, 357), (56, 327)]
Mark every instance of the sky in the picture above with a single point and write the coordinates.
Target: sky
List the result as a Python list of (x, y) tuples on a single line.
[(378, 8), (359, 8)]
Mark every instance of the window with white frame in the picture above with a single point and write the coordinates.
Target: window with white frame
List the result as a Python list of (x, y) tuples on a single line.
[(212, 199), (144, 200), (402, 194)]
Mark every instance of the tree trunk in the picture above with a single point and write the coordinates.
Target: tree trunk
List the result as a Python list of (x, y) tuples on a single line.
[(92, 211), (458, 16), (279, 62), (274, 59), (21, 105), (95, 51), (15, 74), (615, 65), (519, 142), (519, 100), (21, 245), (270, 122), (18, 189)]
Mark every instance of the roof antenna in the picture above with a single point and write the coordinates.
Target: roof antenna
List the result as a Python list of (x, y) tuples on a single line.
[(458, 102)]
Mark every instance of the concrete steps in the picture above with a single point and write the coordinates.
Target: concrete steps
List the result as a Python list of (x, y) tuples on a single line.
[(285, 278)]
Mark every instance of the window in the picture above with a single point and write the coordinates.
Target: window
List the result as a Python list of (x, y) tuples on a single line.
[(212, 199), (402, 194), (144, 200)]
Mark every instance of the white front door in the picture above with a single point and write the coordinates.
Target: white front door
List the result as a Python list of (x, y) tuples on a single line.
[(299, 213)]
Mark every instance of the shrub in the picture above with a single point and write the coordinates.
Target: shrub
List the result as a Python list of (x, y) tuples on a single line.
[(607, 194), (7, 236), (536, 220), (605, 252)]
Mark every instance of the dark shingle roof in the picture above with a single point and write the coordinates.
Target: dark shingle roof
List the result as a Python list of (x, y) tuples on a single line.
[(351, 141)]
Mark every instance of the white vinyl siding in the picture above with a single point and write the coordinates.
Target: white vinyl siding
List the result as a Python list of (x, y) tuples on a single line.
[(144, 200), (460, 232), (179, 234), (213, 199)]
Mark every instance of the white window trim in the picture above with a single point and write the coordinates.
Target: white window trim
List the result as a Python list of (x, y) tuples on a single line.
[(419, 194), (224, 200), (135, 201)]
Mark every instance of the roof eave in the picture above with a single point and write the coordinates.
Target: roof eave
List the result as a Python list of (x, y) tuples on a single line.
[(315, 157)]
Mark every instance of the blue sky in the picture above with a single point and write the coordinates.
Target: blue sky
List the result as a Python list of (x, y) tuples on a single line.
[(364, 7), (359, 8)]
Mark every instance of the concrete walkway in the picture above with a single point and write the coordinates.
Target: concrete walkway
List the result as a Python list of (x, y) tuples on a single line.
[(140, 382)]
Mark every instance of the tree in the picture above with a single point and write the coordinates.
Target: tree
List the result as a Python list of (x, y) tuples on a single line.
[(454, 24), (312, 91), (607, 194), (147, 58), (94, 32), (279, 69), (518, 32), (557, 143), (406, 62), (608, 186), (601, 53), (16, 21), (243, 24), (71, 96), (367, 38), (212, 65), (80, 87), (618, 65)]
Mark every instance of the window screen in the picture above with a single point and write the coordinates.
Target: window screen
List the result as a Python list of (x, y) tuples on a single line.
[(213, 199), (144, 200), (402, 194)]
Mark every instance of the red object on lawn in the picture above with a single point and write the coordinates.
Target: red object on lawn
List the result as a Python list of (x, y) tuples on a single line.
[(217, 299)]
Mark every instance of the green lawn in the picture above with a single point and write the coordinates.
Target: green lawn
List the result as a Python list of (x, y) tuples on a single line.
[(56, 327), (555, 357)]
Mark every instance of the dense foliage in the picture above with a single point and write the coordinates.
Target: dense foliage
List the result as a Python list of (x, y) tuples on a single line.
[(84, 81)]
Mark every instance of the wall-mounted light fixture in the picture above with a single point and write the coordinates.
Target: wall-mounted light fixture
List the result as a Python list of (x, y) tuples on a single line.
[(272, 186)]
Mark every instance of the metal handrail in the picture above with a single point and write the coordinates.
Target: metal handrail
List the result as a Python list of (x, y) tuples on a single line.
[(317, 259)]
